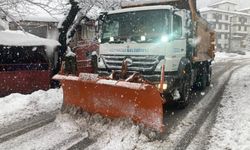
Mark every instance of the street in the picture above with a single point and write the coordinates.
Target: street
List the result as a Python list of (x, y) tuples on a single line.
[(185, 128)]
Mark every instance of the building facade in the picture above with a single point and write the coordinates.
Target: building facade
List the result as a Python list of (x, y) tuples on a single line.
[(47, 28), (231, 24)]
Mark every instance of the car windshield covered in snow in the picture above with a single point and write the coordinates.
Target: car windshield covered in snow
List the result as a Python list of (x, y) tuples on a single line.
[(138, 26)]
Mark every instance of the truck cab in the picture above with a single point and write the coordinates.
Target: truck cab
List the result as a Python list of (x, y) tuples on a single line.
[(148, 37)]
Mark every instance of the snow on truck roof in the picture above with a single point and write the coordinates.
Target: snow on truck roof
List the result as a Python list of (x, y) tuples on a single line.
[(157, 7), (20, 38), (145, 2)]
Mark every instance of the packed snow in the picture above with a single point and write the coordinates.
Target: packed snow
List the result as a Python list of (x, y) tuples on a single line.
[(17, 108), (60, 134), (230, 130), (224, 57), (232, 127)]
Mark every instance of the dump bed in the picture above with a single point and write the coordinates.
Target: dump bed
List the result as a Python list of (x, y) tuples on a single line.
[(205, 47)]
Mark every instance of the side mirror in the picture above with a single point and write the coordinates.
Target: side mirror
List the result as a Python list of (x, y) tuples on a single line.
[(100, 20), (97, 26), (102, 16)]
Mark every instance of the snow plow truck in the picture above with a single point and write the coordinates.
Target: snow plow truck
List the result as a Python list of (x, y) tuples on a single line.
[(148, 50)]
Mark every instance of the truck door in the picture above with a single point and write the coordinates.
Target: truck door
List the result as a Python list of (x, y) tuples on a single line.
[(178, 42)]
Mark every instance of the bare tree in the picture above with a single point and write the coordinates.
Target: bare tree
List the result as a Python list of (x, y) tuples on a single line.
[(24, 7), (85, 7), (16, 10), (78, 12)]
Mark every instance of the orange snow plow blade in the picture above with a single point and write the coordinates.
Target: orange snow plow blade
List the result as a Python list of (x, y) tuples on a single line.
[(115, 99)]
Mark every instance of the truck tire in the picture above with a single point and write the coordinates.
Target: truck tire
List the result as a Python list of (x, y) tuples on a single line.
[(202, 78), (185, 91), (209, 75)]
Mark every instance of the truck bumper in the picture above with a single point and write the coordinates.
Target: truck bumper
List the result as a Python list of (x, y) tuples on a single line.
[(171, 78)]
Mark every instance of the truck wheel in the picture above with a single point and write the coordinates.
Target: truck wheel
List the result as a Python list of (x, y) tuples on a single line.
[(185, 91), (202, 79)]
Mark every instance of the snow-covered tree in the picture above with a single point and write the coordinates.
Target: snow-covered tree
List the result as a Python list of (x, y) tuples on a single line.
[(79, 11), (24, 7)]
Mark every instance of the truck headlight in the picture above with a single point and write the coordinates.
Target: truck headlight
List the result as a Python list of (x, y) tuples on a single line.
[(164, 38), (101, 63), (165, 86)]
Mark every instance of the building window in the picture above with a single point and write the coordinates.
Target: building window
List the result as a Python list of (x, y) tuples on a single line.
[(177, 26), (213, 25), (217, 16), (219, 36), (218, 45), (38, 30), (239, 28), (226, 17), (245, 28), (220, 16), (226, 36), (226, 27), (214, 16), (205, 16), (219, 26), (242, 20)]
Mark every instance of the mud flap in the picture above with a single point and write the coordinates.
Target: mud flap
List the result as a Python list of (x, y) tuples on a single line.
[(115, 99)]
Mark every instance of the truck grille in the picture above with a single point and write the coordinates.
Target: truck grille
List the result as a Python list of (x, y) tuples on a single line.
[(139, 63)]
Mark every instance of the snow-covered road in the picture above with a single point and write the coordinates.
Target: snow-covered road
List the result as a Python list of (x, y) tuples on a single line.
[(59, 134), (230, 129), (19, 112)]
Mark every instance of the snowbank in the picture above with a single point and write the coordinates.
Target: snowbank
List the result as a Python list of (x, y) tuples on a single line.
[(60, 134), (16, 108), (20, 38), (223, 56), (232, 127)]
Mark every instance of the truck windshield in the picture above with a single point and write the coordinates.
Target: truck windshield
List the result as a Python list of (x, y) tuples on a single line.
[(138, 26)]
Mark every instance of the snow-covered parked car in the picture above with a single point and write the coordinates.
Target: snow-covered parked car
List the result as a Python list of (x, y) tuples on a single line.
[(24, 64)]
